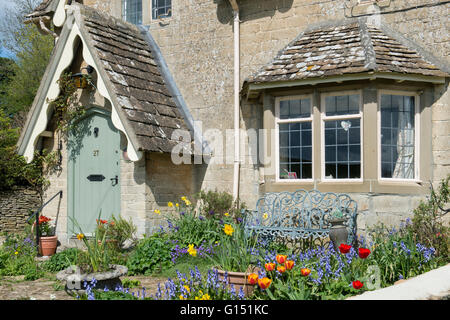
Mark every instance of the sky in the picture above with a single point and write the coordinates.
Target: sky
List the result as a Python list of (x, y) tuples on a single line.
[(3, 5)]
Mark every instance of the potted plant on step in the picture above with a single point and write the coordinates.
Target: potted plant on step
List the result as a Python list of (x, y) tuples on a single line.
[(48, 241), (233, 257)]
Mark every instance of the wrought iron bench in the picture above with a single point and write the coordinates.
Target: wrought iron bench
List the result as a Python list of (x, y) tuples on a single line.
[(300, 215)]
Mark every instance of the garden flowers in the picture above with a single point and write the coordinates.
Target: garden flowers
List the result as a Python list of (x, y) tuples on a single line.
[(344, 248), (270, 266), (228, 229), (157, 211), (264, 283), (305, 272), (80, 236), (281, 258), (252, 278), (357, 284), (363, 253), (192, 251)]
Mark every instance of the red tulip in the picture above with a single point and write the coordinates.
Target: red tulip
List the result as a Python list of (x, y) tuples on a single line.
[(289, 264), (363, 253), (269, 266), (252, 278), (264, 283), (357, 284), (305, 271), (281, 258), (344, 248)]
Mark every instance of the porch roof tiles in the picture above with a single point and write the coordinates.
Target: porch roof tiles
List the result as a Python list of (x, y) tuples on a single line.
[(139, 87)]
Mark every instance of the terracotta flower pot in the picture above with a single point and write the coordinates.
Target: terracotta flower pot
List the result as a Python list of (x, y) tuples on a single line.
[(239, 280), (47, 245)]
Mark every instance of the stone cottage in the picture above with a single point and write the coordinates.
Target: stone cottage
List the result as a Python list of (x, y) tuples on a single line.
[(248, 97)]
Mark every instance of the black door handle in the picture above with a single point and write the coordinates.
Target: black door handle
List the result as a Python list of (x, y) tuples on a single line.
[(115, 180)]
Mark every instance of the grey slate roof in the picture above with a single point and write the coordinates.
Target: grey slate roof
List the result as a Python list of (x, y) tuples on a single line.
[(347, 47), (137, 82)]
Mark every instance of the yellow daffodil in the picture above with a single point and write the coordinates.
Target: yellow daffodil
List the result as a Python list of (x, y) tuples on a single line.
[(226, 214), (80, 236), (16, 253), (206, 297), (187, 202), (181, 297), (183, 198), (170, 204), (177, 204), (157, 211), (187, 288), (228, 229), (192, 251)]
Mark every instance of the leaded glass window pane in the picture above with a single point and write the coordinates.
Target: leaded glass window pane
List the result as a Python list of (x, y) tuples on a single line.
[(295, 140), (397, 136), (161, 9), (132, 11), (342, 137)]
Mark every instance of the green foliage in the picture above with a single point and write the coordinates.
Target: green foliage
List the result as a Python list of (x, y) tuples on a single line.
[(97, 257), (17, 258), (11, 164), (215, 203), (62, 260), (130, 283), (187, 228), (399, 255), (235, 249), (32, 57), (428, 226), (118, 230), (152, 254)]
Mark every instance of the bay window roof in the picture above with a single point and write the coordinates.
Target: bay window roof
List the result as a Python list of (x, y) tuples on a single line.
[(344, 49)]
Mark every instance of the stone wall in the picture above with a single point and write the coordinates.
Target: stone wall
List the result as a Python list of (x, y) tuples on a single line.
[(197, 44), (15, 208)]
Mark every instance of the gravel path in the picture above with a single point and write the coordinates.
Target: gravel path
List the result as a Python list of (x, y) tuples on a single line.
[(15, 288)]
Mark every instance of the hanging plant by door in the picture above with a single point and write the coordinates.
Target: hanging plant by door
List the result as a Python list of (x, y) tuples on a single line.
[(67, 108)]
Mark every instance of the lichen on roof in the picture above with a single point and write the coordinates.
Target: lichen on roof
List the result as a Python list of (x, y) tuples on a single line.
[(347, 47)]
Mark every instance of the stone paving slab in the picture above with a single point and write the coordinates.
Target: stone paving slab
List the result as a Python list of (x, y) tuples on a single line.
[(434, 284)]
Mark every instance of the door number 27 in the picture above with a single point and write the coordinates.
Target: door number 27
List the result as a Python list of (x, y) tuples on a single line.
[(95, 153)]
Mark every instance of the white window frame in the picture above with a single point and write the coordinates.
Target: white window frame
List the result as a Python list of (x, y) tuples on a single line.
[(416, 135), (324, 117), (279, 121)]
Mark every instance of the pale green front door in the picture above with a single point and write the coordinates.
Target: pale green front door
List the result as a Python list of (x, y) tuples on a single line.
[(93, 171)]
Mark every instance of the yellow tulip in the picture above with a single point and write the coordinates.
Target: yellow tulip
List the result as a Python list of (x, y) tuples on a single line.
[(170, 204)]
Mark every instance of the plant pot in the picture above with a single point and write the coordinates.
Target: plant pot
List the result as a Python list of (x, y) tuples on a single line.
[(47, 245), (238, 280), (105, 280), (338, 232)]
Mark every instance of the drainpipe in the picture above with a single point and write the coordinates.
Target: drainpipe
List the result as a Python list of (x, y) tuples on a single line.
[(235, 7)]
